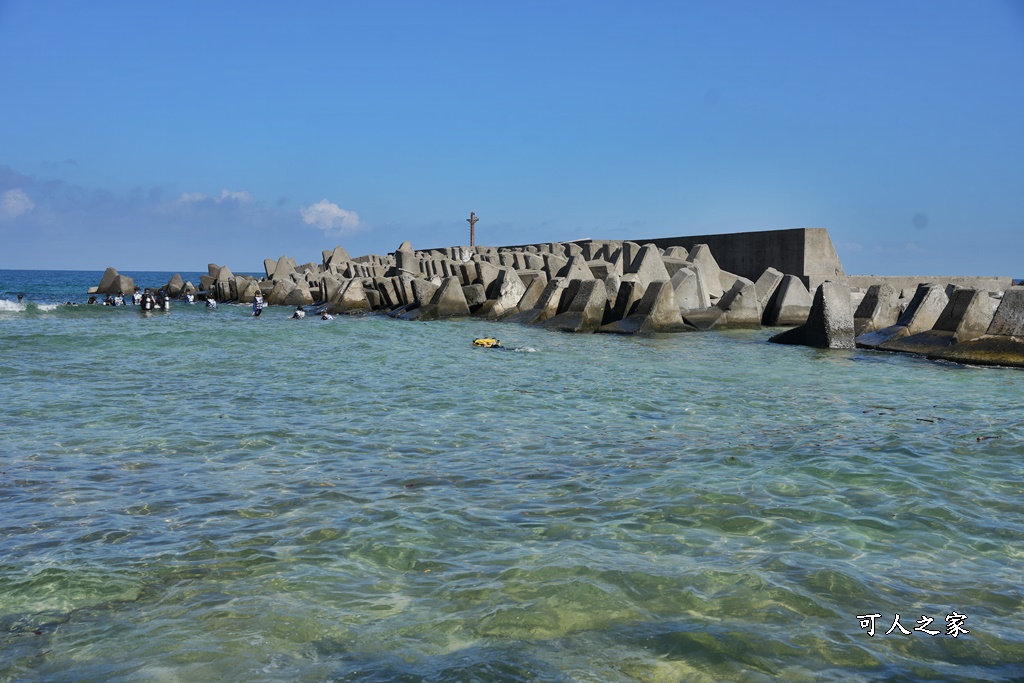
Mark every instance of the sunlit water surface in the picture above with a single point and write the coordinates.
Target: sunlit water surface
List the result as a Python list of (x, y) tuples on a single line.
[(205, 496)]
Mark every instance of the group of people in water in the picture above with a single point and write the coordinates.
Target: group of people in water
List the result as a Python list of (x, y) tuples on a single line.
[(148, 300)]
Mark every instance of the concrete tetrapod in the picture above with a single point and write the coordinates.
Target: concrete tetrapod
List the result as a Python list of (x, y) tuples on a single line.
[(967, 316), (789, 305), (547, 305), (877, 310), (656, 312), (586, 310), (741, 304), (830, 322), (923, 310), (1003, 342)]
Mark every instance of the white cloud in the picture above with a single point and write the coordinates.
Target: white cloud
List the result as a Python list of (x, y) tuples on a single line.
[(14, 203), (238, 196), (242, 197), (331, 218), (191, 197)]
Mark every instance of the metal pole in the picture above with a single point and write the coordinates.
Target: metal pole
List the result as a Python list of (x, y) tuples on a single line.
[(472, 225)]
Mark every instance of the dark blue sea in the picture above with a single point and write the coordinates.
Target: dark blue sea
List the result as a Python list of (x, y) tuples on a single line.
[(202, 495)]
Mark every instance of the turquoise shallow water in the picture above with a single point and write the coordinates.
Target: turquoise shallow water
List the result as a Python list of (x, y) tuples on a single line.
[(204, 496)]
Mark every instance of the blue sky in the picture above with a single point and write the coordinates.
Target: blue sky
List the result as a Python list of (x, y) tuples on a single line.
[(165, 135)]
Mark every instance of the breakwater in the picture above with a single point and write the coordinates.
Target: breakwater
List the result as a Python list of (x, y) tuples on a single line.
[(789, 278)]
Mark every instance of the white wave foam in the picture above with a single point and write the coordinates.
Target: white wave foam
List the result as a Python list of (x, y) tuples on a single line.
[(14, 307)]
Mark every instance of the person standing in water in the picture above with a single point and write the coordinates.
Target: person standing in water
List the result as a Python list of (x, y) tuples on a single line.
[(257, 305)]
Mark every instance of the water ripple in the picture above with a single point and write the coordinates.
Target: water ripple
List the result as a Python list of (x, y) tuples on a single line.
[(384, 502)]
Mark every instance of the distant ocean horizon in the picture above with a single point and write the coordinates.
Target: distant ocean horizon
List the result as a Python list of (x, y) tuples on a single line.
[(62, 286), (201, 495)]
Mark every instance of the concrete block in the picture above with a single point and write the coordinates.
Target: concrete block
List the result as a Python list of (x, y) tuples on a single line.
[(921, 314), (1009, 316), (532, 295), (576, 269), (281, 270), (740, 302), (967, 316), (766, 285), (107, 282), (877, 310), (329, 289), (790, 305), (405, 259), (422, 291), (353, 297), (688, 291), (628, 295), (586, 310), (528, 276), (475, 296), (1003, 343), (629, 252), (701, 255), (247, 291), (450, 300), (386, 287), (174, 286), (674, 265), (648, 266), (533, 261), (600, 269), (553, 264), (546, 306), (509, 290), (657, 311), (123, 284), (677, 252), (830, 323), (278, 295), (705, 318), (223, 292), (336, 257), (727, 280), (924, 309)]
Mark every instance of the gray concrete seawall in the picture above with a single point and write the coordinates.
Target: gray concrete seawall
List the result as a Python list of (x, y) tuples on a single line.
[(807, 253), (909, 283)]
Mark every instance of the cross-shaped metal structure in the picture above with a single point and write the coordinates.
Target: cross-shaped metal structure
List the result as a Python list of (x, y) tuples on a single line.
[(472, 228)]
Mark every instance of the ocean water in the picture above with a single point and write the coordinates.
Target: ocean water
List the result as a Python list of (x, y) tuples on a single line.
[(204, 496)]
